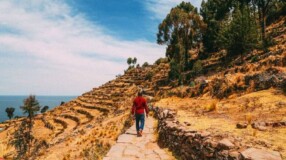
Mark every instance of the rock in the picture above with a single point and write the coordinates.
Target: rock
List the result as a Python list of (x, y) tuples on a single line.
[(261, 128), (89, 126), (241, 125), (259, 154), (276, 124), (165, 113), (225, 144), (205, 134), (234, 155), (187, 123), (259, 125)]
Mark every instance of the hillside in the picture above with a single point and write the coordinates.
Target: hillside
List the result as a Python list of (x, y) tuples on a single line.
[(87, 126), (225, 96)]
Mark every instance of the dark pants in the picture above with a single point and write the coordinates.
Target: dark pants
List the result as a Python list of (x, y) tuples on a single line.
[(140, 120)]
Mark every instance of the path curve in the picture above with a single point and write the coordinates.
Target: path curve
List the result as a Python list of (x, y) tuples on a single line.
[(131, 147)]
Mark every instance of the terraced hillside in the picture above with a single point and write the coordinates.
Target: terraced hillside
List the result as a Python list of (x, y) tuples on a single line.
[(86, 126)]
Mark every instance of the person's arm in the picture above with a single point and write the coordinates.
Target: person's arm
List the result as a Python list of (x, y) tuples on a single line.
[(146, 108), (133, 108)]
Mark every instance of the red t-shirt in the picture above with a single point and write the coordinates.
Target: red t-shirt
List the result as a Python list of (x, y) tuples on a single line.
[(139, 104)]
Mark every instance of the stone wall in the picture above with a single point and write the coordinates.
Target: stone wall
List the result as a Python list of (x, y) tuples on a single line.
[(189, 144)]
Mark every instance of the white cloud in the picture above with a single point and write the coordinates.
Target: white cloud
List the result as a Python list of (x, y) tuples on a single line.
[(45, 48), (160, 8)]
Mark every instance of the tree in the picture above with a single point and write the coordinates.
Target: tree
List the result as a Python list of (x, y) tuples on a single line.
[(238, 36), (213, 13), (263, 8), (129, 61), (31, 107), (181, 30), (44, 109), (134, 61), (21, 140), (10, 112), (145, 64)]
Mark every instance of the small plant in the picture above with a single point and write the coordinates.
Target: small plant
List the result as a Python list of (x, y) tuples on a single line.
[(161, 60), (254, 133), (251, 87), (248, 118), (198, 68), (212, 107), (284, 87), (192, 84), (254, 59), (149, 76)]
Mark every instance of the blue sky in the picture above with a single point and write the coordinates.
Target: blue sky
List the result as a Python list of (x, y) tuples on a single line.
[(67, 47)]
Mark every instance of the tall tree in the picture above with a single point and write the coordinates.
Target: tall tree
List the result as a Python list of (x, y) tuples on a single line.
[(181, 30), (31, 107), (134, 61), (21, 140), (238, 35), (10, 112), (263, 8), (129, 61), (213, 13)]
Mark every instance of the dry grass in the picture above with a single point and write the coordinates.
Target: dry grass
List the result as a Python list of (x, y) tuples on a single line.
[(248, 118), (256, 106), (212, 107)]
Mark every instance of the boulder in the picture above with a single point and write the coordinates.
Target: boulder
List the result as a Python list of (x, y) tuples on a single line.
[(259, 154), (241, 125), (225, 144)]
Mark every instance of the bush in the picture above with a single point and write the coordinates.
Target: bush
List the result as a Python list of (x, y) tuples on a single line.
[(161, 60), (146, 64), (197, 68), (192, 84), (254, 59), (220, 88), (149, 76), (284, 87), (212, 107)]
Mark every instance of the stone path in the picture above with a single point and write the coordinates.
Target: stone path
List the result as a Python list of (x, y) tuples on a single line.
[(131, 147)]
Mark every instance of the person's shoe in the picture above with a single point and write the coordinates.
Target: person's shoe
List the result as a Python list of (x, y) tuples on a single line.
[(140, 132)]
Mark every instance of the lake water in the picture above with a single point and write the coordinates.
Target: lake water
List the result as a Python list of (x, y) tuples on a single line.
[(17, 101)]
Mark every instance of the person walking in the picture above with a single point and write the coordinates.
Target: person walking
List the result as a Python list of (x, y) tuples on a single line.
[(138, 108)]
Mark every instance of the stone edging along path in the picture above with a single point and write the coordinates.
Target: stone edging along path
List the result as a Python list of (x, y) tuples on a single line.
[(131, 147), (190, 144)]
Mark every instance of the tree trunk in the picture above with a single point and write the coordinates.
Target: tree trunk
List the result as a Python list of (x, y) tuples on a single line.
[(263, 26)]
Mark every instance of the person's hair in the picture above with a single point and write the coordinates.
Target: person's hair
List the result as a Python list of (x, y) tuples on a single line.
[(140, 93)]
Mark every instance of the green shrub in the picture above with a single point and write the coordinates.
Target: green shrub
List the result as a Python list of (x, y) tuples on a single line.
[(146, 64), (192, 84), (197, 68), (149, 76), (161, 60), (254, 59)]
